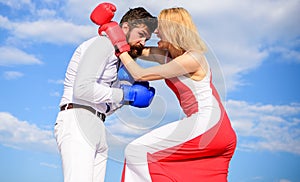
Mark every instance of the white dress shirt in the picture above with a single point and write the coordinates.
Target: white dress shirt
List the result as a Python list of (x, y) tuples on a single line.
[(91, 76)]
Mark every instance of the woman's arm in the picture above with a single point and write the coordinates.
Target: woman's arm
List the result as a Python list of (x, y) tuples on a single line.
[(154, 54), (182, 65)]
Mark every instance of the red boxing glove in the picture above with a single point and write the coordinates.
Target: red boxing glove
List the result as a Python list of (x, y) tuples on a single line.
[(103, 13), (116, 36)]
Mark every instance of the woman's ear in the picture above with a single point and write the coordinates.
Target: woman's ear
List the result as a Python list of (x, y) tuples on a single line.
[(125, 28)]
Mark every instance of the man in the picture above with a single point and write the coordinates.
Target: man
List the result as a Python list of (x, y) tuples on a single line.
[(92, 92)]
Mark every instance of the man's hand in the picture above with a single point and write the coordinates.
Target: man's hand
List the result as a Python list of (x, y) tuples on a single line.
[(139, 94)]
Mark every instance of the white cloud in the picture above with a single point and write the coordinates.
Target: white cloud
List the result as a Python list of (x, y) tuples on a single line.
[(79, 15), (55, 31), (54, 166), (56, 81), (11, 75), (266, 127), (257, 178), (46, 13), (288, 54), (284, 180), (16, 4), (55, 94), (51, 22), (10, 56), (4, 22), (25, 136)]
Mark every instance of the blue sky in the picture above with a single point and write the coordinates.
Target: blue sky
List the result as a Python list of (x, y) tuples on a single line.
[(255, 51)]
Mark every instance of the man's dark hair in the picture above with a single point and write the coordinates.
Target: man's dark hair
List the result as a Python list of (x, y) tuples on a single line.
[(138, 16)]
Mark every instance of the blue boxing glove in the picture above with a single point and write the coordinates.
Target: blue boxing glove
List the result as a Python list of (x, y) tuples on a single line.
[(124, 75), (140, 94)]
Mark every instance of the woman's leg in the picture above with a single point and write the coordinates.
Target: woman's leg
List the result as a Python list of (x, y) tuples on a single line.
[(173, 134)]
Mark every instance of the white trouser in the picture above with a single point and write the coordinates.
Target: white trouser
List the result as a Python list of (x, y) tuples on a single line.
[(80, 137)]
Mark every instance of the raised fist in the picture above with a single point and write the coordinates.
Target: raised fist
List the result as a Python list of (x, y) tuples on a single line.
[(103, 13)]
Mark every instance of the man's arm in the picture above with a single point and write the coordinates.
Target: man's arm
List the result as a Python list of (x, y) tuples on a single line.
[(90, 68)]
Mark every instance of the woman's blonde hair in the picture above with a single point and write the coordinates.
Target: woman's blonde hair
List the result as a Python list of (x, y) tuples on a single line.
[(177, 27)]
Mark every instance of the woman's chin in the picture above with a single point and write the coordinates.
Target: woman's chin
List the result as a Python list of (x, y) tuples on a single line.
[(162, 44), (159, 44)]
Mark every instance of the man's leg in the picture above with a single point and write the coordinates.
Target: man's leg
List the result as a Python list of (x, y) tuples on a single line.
[(76, 153)]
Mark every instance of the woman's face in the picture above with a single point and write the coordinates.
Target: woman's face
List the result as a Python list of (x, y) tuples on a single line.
[(158, 32), (162, 44)]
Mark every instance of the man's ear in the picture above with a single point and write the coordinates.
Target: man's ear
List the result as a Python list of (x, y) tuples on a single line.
[(125, 28)]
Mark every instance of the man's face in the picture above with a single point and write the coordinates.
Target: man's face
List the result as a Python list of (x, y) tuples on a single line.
[(137, 38)]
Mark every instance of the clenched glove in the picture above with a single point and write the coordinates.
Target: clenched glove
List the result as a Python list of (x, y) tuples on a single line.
[(140, 94), (116, 36), (103, 13)]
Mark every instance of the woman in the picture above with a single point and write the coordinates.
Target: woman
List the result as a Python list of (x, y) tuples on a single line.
[(200, 146)]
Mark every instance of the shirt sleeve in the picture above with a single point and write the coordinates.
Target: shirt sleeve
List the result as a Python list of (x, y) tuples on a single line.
[(87, 86)]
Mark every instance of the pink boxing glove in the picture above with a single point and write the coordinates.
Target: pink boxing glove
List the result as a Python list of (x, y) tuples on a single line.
[(116, 36), (103, 13)]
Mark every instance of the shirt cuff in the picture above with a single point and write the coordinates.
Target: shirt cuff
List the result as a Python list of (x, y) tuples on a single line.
[(117, 95)]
